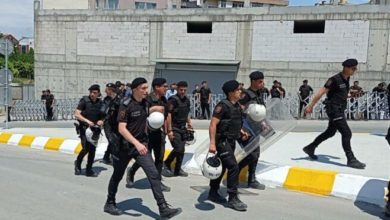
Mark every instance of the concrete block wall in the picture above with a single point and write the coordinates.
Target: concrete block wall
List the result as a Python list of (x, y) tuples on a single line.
[(76, 48), (218, 45), (276, 41)]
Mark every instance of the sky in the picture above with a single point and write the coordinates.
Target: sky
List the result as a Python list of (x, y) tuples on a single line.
[(16, 16)]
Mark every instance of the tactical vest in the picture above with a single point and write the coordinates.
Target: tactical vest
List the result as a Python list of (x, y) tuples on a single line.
[(180, 113), (254, 98), (112, 113), (230, 127), (338, 96), (92, 110)]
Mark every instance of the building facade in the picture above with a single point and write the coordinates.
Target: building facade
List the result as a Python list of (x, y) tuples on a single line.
[(76, 48)]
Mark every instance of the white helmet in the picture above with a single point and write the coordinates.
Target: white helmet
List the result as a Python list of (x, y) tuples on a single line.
[(89, 136), (212, 167), (256, 112), (155, 120)]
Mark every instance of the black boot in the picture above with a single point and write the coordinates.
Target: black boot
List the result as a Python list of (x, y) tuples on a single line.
[(181, 173), (214, 196), (253, 183), (166, 212), (130, 178), (309, 150), (236, 204), (353, 162), (107, 160), (110, 207), (90, 173), (166, 171), (77, 168)]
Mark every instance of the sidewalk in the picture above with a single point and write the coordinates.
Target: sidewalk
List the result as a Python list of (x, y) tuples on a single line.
[(282, 165)]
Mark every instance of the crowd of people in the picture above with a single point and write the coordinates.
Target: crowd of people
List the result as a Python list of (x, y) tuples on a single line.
[(126, 117)]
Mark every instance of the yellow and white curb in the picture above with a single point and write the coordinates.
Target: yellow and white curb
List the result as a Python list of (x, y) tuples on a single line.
[(318, 182), (326, 183), (59, 144)]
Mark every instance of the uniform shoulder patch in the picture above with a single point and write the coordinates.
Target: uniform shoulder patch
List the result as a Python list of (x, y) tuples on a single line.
[(218, 109)]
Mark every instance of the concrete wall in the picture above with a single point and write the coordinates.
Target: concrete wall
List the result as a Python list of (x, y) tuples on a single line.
[(68, 4), (75, 48), (220, 44), (276, 41)]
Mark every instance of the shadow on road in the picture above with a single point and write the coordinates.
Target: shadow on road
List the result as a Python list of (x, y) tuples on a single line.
[(323, 159), (136, 205), (370, 198)]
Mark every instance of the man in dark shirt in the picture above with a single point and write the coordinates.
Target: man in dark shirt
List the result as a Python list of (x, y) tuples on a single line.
[(88, 113), (225, 129), (304, 92), (132, 117), (178, 122), (276, 91), (49, 105), (205, 99), (157, 137), (336, 89), (355, 91)]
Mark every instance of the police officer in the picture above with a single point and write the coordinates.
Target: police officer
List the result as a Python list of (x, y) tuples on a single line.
[(253, 95), (225, 129), (336, 88), (110, 109), (156, 137), (178, 122), (132, 116), (89, 115)]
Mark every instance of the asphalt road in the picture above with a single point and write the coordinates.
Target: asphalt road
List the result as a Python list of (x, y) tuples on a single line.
[(37, 184)]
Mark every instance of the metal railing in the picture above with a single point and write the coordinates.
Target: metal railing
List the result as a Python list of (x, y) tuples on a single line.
[(369, 106)]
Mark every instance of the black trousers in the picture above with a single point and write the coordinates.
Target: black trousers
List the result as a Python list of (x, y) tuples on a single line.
[(49, 111), (251, 161), (157, 145), (120, 163), (205, 109), (225, 151), (88, 148), (301, 106), (336, 123), (178, 144)]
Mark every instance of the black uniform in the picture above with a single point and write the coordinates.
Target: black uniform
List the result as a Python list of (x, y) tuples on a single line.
[(204, 102), (91, 111), (335, 106), (255, 97), (228, 131), (134, 114), (304, 92), (156, 137), (49, 108), (110, 109), (387, 207), (179, 109)]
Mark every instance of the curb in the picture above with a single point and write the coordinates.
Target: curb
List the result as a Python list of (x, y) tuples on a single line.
[(311, 181)]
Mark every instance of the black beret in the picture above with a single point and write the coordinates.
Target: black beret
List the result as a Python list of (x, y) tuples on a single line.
[(182, 84), (138, 81), (111, 85), (158, 82), (256, 75), (350, 63), (118, 83), (94, 87), (305, 81), (230, 86)]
